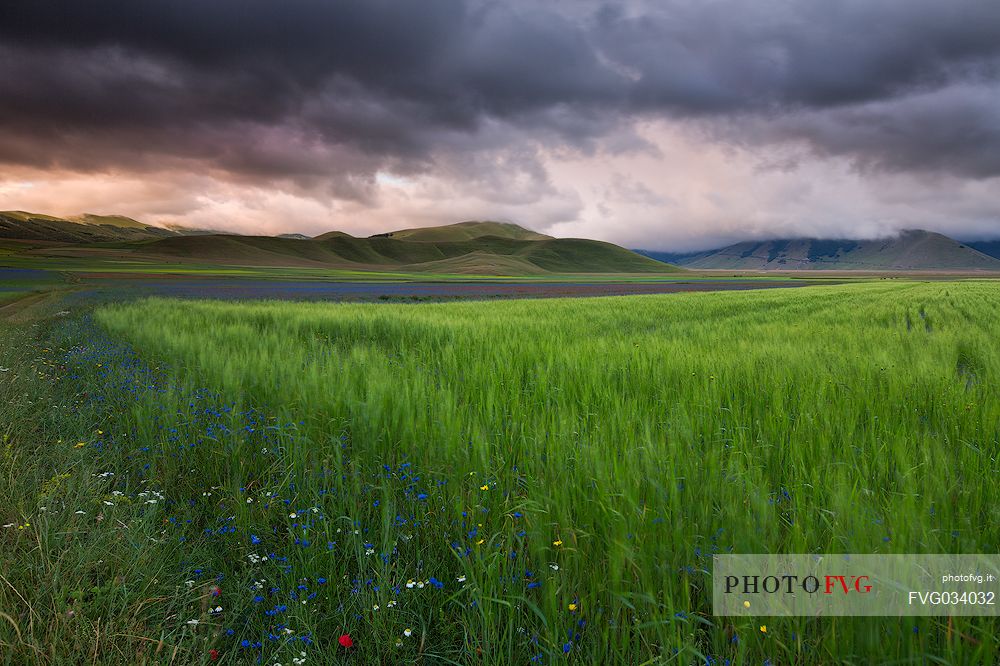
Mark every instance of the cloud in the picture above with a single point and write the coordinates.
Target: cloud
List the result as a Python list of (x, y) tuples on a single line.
[(382, 78), (486, 103), (953, 130)]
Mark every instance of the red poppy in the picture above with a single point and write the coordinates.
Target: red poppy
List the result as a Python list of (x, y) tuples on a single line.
[(213, 654), (345, 641), (216, 591)]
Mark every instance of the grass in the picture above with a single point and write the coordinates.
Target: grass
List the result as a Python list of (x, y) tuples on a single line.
[(111, 220), (85, 229), (128, 268), (511, 481), (517, 256), (468, 231), (15, 284), (484, 248), (73, 588), (10, 294), (24, 216)]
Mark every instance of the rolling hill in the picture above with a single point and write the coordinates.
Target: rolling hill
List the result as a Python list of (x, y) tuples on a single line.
[(117, 221), (478, 248), (86, 228), (466, 231), (913, 250), (482, 255), (469, 248)]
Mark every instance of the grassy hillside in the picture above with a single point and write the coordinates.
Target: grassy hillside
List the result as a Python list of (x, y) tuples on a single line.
[(676, 258), (239, 250), (481, 248), (24, 216), (911, 250), (486, 255), (83, 229), (484, 248), (108, 220), (476, 262), (467, 231)]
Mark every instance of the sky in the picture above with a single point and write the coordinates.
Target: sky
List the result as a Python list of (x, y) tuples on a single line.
[(673, 125)]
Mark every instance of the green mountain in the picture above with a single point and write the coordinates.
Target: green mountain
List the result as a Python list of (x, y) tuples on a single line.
[(913, 250), (473, 248), (466, 231), (86, 228), (117, 221), (482, 255), (480, 248)]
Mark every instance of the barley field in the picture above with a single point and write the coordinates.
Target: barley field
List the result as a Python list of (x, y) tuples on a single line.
[(516, 482)]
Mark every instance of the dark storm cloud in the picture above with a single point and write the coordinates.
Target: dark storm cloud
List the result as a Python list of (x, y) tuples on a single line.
[(759, 55), (312, 91), (955, 130)]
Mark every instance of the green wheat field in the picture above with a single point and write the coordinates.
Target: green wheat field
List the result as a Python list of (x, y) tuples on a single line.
[(511, 482)]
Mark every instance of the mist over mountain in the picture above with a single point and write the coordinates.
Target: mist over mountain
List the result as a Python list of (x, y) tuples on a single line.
[(907, 251)]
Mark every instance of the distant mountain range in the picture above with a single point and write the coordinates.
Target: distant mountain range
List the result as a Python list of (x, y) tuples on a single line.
[(989, 248), (914, 250), (476, 248), (472, 248)]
